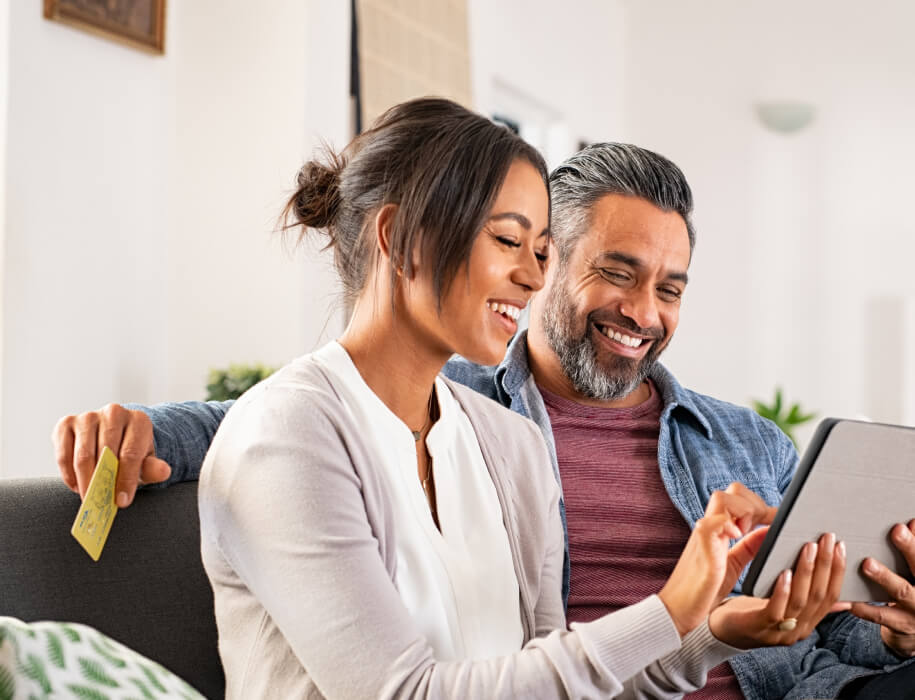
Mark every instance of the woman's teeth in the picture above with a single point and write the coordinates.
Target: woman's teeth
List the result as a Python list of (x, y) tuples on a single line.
[(512, 312)]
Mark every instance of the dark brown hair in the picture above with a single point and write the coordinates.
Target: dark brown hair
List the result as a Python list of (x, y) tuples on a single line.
[(440, 163)]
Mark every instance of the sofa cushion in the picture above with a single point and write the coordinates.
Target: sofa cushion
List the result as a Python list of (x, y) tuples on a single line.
[(54, 659)]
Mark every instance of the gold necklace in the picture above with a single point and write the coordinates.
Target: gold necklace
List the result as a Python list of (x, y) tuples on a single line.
[(417, 434)]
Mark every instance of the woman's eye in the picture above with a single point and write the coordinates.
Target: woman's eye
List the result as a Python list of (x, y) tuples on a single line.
[(542, 257), (510, 242)]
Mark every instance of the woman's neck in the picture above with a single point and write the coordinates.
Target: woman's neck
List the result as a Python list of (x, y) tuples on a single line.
[(394, 360)]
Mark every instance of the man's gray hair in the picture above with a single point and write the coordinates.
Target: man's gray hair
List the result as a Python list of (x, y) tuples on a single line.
[(613, 168)]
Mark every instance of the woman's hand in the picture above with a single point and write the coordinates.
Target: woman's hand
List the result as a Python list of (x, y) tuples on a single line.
[(797, 605), (709, 567)]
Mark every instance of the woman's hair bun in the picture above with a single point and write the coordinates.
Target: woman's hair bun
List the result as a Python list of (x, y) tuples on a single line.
[(316, 201)]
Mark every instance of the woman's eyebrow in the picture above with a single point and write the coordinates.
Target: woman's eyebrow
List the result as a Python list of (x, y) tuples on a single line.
[(520, 218)]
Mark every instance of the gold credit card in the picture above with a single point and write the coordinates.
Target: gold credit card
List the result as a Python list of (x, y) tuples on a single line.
[(93, 522)]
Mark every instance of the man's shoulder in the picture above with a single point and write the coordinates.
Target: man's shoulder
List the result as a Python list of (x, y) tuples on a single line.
[(482, 379), (730, 422)]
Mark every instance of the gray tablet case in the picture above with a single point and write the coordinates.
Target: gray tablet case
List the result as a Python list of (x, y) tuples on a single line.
[(857, 480)]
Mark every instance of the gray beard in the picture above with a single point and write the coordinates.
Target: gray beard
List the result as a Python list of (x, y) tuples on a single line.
[(578, 355)]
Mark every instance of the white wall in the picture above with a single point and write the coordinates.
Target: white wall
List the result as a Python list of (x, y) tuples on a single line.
[(4, 105), (141, 195), (136, 248), (799, 233), (560, 65), (244, 125)]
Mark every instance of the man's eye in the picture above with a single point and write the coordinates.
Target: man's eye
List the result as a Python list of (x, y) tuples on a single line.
[(615, 276), (669, 293), (511, 243)]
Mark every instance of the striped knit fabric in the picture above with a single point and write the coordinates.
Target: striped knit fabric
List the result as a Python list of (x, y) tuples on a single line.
[(625, 534)]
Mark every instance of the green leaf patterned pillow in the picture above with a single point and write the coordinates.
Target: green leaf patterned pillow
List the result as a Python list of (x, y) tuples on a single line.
[(63, 660)]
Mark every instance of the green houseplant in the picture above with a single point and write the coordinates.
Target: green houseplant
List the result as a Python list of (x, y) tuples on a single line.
[(225, 384), (784, 416)]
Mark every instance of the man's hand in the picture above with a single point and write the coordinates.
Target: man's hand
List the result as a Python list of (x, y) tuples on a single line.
[(78, 441), (897, 619)]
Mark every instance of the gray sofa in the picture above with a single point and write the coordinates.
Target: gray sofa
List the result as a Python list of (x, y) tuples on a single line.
[(148, 590)]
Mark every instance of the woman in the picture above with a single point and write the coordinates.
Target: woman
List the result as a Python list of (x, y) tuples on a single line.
[(372, 529)]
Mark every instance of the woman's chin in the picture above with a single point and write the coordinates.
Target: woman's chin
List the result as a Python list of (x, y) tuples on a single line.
[(488, 355)]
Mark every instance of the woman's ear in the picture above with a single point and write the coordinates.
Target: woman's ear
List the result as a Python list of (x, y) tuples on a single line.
[(384, 224)]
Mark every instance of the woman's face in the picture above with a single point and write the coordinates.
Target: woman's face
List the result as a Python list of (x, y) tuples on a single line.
[(506, 265)]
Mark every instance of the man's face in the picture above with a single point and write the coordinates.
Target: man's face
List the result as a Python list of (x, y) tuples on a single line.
[(613, 307)]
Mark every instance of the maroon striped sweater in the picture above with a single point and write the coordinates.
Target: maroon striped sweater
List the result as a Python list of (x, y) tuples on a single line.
[(625, 534)]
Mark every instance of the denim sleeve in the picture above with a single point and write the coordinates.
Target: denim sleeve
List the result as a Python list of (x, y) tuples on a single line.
[(856, 642), (183, 432)]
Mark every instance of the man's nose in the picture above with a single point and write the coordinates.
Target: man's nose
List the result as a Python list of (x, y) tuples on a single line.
[(641, 306)]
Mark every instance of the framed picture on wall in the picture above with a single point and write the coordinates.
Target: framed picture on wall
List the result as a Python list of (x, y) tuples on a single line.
[(140, 23)]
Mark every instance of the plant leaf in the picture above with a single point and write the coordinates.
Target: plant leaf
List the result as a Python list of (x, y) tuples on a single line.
[(34, 669), (107, 655), (71, 633), (151, 677), (143, 689), (7, 684), (93, 671), (85, 693), (55, 649)]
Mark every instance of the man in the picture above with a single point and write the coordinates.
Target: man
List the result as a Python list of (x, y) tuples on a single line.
[(586, 373)]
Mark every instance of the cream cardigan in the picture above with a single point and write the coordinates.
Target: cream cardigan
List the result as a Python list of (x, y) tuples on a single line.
[(298, 540)]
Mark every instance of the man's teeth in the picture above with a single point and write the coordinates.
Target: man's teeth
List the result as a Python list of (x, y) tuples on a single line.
[(621, 338), (513, 312)]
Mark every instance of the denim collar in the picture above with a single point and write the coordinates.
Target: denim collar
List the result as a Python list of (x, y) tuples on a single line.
[(515, 369)]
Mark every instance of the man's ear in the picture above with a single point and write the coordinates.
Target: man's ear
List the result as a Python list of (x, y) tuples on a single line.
[(384, 224)]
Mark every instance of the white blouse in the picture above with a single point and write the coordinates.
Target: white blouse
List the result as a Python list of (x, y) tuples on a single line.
[(458, 584)]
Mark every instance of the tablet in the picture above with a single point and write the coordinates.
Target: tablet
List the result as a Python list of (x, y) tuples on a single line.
[(857, 480)]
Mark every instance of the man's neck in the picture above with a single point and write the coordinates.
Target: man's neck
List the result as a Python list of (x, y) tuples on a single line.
[(549, 375)]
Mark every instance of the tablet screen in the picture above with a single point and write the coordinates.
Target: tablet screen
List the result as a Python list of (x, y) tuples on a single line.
[(857, 480)]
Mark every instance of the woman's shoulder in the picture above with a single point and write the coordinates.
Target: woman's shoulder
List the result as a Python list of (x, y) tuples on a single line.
[(296, 406), (302, 384)]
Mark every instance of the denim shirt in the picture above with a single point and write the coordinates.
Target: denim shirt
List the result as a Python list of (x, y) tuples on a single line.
[(704, 444)]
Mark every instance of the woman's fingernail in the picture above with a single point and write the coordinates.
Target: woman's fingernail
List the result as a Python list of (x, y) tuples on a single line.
[(840, 549), (904, 534), (122, 499), (870, 566), (811, 552), (787, 579)]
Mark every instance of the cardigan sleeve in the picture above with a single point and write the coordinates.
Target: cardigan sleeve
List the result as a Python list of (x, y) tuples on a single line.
[(289, 503)]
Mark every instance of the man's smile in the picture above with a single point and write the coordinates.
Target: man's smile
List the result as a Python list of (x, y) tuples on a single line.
[(623, 342)]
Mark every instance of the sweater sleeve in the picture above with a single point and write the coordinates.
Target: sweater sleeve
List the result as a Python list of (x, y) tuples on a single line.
[(294, 511), (182, 434), (683, 670)]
